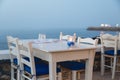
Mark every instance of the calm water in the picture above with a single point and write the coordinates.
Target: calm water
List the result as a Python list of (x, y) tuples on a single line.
[(51, 33)]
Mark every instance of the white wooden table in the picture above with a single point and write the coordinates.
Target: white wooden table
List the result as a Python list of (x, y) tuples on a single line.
[(55, 51)]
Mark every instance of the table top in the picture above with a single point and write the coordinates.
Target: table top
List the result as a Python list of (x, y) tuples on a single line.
[(56, 45)]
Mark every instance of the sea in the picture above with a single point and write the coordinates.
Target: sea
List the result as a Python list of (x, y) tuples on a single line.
[(50, 33)]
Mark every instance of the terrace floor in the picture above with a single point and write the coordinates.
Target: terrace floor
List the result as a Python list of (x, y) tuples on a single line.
[(107, 76), (96, 75)]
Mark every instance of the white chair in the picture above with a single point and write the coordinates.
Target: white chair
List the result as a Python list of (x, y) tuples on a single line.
[(76, 66), (14, 57), (30, 69), (41, 36), (66, 37), (87, 41), (109, 41)]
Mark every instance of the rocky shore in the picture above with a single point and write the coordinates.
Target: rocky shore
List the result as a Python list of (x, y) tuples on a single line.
[(5, 70)]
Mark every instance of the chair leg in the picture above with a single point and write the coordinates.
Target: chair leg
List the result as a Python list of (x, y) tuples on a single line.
[(12, 73), (102, 64), (111, 63), (22, 76), (18, 74), (78, 75), (59, 76), (74, 74), (113, 68), (34, 78)]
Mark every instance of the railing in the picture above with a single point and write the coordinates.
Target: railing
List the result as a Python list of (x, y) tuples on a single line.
[(4, 54)]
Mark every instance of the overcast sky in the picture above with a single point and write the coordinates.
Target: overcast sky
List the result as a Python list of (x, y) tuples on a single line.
[(43, 14)]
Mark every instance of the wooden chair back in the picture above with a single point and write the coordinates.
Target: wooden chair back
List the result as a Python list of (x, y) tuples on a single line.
[(13, 48), (25, 49), (41, 36), (66, 37), (88, 41), (109, 41)]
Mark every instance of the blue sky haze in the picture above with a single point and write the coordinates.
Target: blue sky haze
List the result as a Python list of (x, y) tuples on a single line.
[(45, 14)]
